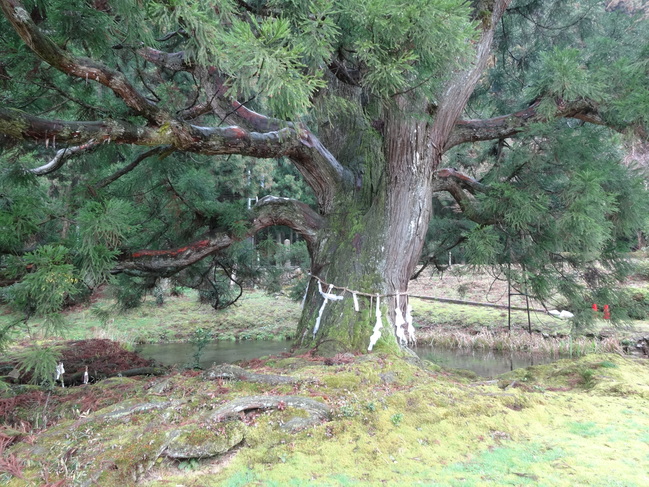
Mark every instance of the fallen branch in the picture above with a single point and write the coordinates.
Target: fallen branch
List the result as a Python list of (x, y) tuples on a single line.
[(77, 378)]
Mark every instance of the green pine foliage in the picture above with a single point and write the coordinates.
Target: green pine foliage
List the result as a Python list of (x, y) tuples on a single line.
[(40, 362), (557, 208)]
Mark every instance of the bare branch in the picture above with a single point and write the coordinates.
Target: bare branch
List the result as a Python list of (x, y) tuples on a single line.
[(81, 67), (462, 187), (269, 211), (128, 168), (464, 180), (174, 61), (61, 156)]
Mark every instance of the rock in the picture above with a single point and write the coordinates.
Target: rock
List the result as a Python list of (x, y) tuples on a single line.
[(160, 386)]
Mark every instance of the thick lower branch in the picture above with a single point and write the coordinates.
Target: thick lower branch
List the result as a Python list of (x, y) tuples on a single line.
[(203, 140), (268, 212), (509, 125)]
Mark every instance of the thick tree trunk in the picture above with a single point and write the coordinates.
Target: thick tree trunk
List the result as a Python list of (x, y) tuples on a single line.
[(371, 247)]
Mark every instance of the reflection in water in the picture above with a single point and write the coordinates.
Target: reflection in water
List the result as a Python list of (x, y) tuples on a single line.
[(486, 363), (217, 352)]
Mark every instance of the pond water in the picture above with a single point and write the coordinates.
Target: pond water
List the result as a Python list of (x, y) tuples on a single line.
[(217, 352), (486, 363)]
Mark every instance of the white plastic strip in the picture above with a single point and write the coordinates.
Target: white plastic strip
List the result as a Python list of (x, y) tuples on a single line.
[(59, 373), (327, 297), (59, 370)]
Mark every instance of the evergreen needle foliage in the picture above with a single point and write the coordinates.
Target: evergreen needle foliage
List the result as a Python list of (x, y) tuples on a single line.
[(139, 139)]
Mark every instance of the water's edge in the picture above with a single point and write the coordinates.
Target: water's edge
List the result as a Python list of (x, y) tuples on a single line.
[(486, 363)]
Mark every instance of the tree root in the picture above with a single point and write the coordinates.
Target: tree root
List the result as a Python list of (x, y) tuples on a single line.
[(317, 411), (232, 372)]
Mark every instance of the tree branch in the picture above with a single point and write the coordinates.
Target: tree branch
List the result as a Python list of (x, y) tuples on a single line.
[(269, 211), (319, 167), (80, 67), (193, 138), (61, 156), (461, 187), (509, 125), (24, 126), (128, 168), (463, 83), (463, 180)]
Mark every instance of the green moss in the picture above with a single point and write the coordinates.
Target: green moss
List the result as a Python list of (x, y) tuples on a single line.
[(346, 381), (14, 127), (394, 423)]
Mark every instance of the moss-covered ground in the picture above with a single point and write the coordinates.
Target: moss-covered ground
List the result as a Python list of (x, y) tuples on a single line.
[(393, 422)]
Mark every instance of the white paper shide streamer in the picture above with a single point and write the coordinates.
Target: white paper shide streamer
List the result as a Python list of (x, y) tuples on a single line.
[(377, 327), (327, 297), (59, 373), (306, 291), (411, 329), (399, 322)]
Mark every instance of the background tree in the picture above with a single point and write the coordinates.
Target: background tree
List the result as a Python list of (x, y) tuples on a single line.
[(208, 87)]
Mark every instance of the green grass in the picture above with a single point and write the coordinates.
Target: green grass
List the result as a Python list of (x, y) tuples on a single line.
[(475, 319), (260, 316), (433, 313), (255, 316)]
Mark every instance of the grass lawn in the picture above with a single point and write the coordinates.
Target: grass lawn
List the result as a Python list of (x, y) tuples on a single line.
[(255, 316), (258, 315)]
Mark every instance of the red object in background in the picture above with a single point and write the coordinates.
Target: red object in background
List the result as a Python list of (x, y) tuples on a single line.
[(594, 307), (607, 312)]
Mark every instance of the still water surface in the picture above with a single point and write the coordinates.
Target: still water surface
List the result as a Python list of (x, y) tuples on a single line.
[(217, 352), (485, 363)]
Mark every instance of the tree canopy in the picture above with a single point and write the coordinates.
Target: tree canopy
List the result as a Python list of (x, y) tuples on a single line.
[(135, 134)]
